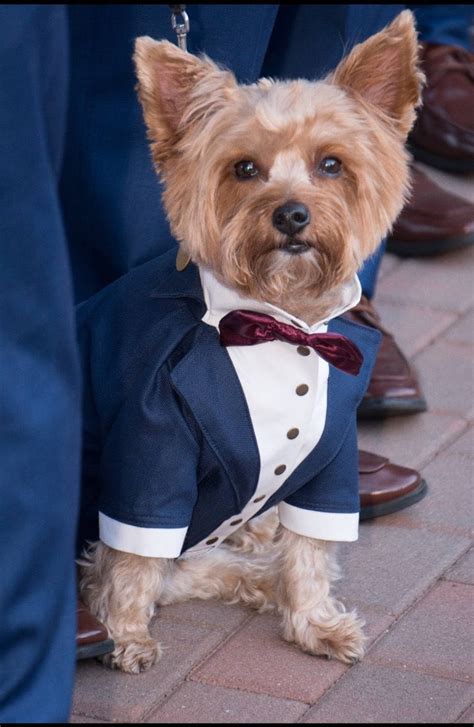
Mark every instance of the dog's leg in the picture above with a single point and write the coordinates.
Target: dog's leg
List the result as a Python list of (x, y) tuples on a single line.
[(232, 577), (256, 536), (121, 589), (312, 618)]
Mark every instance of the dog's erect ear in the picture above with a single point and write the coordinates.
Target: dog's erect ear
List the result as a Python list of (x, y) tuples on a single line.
[(176, 89), (384, 70)]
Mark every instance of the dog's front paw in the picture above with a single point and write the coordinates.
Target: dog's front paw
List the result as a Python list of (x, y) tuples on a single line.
[(133, 655), (339, 637)]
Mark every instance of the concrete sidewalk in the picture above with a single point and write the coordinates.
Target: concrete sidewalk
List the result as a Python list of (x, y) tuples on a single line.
[(411, 574)]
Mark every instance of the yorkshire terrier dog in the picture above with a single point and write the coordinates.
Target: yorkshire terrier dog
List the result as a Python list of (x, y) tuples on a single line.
[(276, 192)]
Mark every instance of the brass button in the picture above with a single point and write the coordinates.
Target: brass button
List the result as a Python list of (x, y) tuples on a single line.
[(293, 433), (303, 350), (302, 389), (237, 522), (211, 541), (261, 497), (280, 469)]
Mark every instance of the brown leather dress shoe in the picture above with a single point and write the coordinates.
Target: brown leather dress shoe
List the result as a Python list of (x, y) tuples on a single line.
[(92, 638), (385, 487), (434, 221), (393, 388), (443, 135)]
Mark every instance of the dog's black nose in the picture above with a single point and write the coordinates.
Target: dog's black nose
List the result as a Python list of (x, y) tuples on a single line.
[(291, 217)]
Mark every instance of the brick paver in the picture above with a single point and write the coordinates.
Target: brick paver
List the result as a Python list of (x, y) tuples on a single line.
[(435, 637), (463, 570), (380, 694), (390, 567), (207, 614), (464, 444), (411, 440), (388, 265), (441, 283), (432, 361), (194, 703), (268, 665), (411, 575), (449, 506), (415, 327), (462, 331), (467, 717), (104, 694)]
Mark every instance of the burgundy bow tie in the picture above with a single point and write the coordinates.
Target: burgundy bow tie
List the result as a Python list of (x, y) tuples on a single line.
[(246, 328)]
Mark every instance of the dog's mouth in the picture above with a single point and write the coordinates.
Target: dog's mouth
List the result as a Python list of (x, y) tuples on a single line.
[(295, 246)]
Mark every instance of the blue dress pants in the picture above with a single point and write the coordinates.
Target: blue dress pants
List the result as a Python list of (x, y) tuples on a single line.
[(445, 24), (39, 375)]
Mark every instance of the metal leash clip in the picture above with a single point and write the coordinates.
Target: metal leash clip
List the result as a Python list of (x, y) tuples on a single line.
[(180, 24)]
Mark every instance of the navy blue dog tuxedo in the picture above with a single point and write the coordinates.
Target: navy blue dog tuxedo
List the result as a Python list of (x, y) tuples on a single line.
[(185, 440)]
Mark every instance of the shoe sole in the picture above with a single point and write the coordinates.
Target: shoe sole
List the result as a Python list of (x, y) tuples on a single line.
[(382, 408), (400, 503), (435, 247), (99, 648), (462, 166)]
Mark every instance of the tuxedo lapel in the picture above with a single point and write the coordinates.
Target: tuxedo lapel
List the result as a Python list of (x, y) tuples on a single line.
[(206, 379)]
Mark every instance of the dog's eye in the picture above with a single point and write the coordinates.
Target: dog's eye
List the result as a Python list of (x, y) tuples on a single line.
[(246, 169), (330, 167)]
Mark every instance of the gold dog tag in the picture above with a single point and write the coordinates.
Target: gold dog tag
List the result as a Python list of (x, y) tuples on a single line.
[(182, 260)]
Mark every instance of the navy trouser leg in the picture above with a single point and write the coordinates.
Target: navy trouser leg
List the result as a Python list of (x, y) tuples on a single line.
[(39, 375), (447, 24), (369, 271), (308, 41)]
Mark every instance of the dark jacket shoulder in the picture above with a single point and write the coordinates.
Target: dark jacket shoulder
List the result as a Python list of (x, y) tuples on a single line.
[(131, 327)]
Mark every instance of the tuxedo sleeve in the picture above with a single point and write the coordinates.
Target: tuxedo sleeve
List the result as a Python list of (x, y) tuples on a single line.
[(327, 507), (147, 473)]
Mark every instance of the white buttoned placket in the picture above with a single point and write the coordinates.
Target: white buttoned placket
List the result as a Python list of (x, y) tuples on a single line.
[(287, 453), (287, 424)]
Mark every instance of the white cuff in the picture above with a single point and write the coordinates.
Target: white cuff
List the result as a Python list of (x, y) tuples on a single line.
[(149, 542), (342, 526)]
